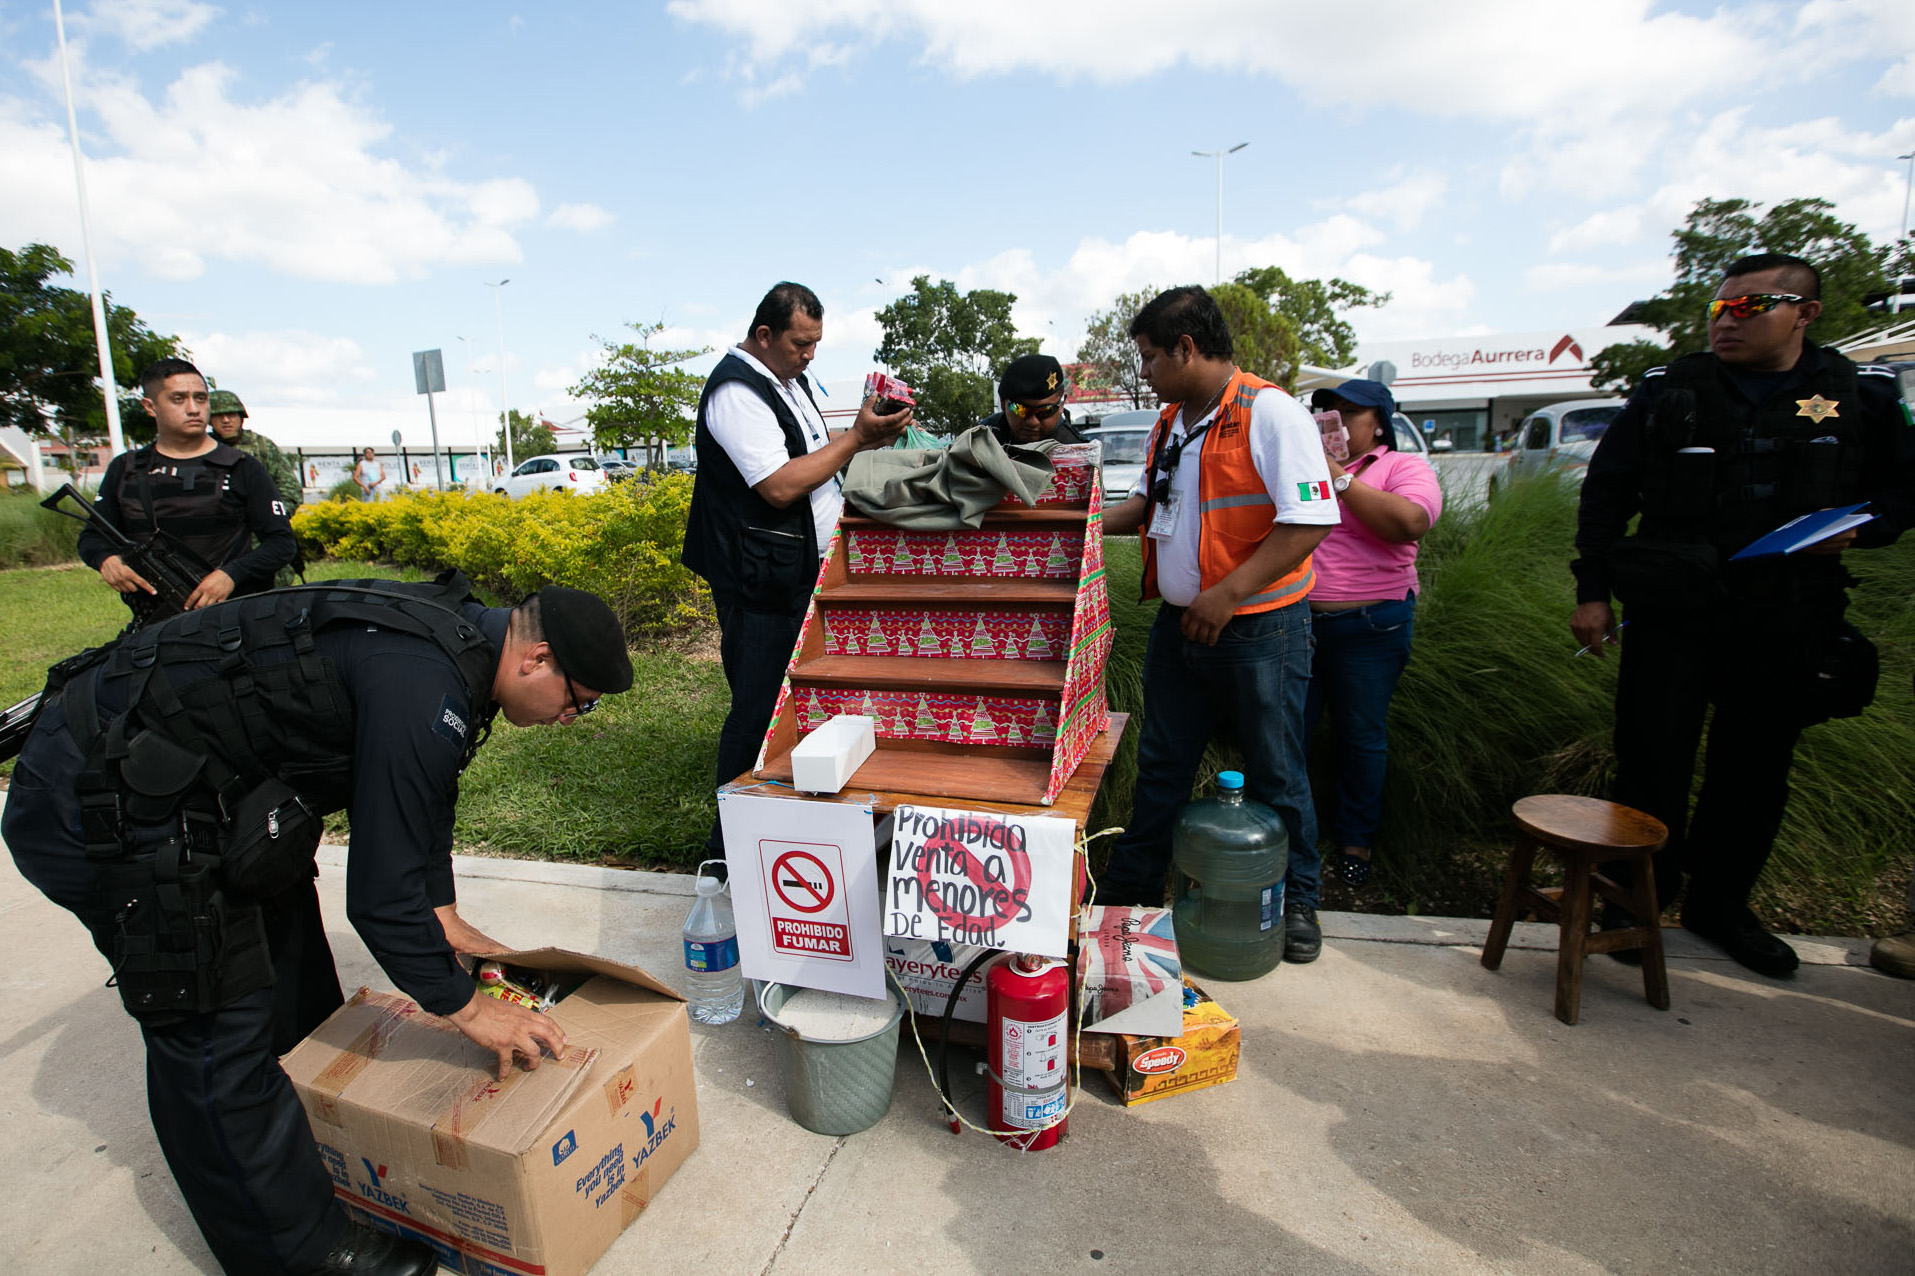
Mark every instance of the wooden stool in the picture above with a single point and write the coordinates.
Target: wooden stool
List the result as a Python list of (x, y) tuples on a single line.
[(1586, 832)]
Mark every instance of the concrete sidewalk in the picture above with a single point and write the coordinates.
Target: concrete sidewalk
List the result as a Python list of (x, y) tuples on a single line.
[(1399, 1109)]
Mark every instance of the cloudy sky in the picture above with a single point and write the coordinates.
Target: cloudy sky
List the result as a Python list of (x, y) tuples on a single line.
[(307, 193)]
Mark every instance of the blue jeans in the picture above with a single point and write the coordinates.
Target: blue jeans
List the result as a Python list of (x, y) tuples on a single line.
[(1256, 677), (1360, 654)]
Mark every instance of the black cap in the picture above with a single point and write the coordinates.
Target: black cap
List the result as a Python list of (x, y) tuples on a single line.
[(1031, 377), (1365, 394), (586, 638)]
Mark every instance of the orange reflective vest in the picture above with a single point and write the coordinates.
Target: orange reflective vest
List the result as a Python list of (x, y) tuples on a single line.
[(1234, 508)]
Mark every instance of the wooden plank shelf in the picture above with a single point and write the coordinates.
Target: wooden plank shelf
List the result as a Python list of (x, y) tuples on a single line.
[(980, 774), (1014, 677), (996, 516), (956, 591)]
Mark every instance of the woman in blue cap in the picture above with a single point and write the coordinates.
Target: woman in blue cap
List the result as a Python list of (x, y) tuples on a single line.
[(1363, 606)]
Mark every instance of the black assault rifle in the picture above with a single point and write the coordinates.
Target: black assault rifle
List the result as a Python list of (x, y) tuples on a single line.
[(173, 572)]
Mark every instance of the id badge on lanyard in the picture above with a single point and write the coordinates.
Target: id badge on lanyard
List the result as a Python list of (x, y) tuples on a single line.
[(1163, 518)]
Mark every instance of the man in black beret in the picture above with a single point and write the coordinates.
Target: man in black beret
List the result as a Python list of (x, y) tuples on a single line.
[(1030, 398), (129, 806)]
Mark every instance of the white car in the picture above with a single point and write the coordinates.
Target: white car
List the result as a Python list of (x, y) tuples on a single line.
[(557, 471), (1125, 454), (1562, 435)]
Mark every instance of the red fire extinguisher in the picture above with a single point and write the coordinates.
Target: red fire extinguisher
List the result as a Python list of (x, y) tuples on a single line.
[(1027, 1000)]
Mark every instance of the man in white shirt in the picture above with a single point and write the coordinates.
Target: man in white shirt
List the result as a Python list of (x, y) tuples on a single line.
[(764, 504), (1235, 496)]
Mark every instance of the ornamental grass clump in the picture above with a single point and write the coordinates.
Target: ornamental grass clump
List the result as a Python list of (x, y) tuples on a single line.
[(34, 537)]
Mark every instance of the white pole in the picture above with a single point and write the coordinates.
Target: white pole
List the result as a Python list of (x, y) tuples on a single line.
[(1901, 232), (1219, 153), (505, 409), (116, 443), (479, 449)]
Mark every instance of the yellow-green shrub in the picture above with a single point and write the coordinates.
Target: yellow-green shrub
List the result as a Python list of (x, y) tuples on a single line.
[(622, 542)]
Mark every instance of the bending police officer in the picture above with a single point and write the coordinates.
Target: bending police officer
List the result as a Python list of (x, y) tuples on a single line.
[(204, 496), (227, 733), (1716, 450)]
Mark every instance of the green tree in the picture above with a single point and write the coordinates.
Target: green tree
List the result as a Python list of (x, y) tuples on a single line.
[(530, 437), (1263, 342), (1716, 233), (1314, 309), (49, 359), (949, 347), (1108, 354), (641, 397)]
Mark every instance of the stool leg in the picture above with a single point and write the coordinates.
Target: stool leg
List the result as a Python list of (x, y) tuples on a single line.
[(1655, 973), (1574, 935), (1514, 879)]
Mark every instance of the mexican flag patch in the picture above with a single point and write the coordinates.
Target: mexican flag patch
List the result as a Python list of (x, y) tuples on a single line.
[(1314, 491)]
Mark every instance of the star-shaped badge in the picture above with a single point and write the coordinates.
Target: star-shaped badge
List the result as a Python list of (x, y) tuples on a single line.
[(1817, 409)]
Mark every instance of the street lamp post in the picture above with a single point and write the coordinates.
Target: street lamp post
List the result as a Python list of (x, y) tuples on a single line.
[(505, 409), (1901, 232), (479, 448), (1219, 154)]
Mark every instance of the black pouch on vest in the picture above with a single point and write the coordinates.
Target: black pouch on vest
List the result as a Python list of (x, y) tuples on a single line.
[(270, 841), (1842, 671), (156, 772), (184, 946), (771, 569), (1664, 577), (1822, 475)]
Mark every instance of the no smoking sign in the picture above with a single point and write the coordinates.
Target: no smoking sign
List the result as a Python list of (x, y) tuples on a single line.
[(805, 899)]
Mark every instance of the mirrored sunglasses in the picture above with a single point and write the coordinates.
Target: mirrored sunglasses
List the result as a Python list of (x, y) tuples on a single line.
[(1756, 303), (1024, 411)]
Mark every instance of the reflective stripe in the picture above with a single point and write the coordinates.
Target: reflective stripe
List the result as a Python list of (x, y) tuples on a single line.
[(1300, 586), (1234, 502)]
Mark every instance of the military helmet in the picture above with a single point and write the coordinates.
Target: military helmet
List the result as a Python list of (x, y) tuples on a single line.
[(223, 403)]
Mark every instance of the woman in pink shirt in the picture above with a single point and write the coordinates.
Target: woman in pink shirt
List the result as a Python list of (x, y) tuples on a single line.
[(1364, 606)]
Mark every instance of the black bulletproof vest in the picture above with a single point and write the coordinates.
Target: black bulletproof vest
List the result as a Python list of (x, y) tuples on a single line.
[(749, 550), (200, 503), (221, 699), (1771, 463)]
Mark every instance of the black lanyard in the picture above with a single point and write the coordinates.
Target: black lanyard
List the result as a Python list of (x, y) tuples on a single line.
[(1168, 455)]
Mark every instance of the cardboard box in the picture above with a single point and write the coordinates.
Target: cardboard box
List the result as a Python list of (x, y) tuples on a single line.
[(536, 1174), (928, 971), (1205, 1055), (1133, 979)]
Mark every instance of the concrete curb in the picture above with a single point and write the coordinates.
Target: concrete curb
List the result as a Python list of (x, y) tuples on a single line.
[(1375, 928)]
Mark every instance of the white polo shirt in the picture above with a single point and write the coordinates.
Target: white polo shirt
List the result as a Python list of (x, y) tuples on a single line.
[(744, 425), (1287, 449)]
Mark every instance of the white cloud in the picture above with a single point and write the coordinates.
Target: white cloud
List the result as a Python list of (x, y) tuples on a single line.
[(146, 24), (289, 366), (1404, 202), (296, 183), (1619, 54), (1555, 276), (580, 217)]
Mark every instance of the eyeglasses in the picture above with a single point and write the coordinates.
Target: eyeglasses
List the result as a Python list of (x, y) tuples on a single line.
[(1756, 303), (579, 708), (1042, 412)]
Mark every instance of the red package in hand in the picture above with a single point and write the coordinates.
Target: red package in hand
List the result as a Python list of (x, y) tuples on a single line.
[(893, 394)]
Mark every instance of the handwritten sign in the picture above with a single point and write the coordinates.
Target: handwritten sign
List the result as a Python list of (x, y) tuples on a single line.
[(804, 889), (981, 877)]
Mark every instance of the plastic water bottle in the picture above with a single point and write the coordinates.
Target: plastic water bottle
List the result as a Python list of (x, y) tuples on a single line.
[(712, 979), (1231, 856)]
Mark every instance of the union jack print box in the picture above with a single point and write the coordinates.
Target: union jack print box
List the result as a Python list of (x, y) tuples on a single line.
[(1133, 978)]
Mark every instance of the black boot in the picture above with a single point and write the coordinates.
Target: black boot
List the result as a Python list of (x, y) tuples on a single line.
[(1736, 932), (1302, 937), (365, 1252)]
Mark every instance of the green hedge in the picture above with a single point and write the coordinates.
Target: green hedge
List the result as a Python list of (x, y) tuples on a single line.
[(621, 543)]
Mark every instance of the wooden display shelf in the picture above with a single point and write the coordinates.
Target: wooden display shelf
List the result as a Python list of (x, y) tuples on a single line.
[(1014, 677), (998, 516), (946, 776), (957, 592), (1073, 803)]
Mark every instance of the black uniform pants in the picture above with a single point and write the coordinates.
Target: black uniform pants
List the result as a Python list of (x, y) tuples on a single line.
[(1673, 670), (755, 647), (229, 1122)]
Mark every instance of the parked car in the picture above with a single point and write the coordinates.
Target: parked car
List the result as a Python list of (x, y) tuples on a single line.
[(1562, 435), (563, 472), (616, 468), (1125, 453)]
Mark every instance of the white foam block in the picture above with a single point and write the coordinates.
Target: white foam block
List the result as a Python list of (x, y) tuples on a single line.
[(824, 760)]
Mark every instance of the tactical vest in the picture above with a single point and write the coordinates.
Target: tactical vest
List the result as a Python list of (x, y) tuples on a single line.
[(1234, 509), (751, 552), (1785, 460), (206, 793), (199, 504)]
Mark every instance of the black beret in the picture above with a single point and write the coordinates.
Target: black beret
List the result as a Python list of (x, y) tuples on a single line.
[(586, 638), (1031, 377)]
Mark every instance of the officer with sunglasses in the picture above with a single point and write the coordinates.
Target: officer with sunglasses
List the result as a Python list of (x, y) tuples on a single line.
[(1714, 451), (1031, 395)]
